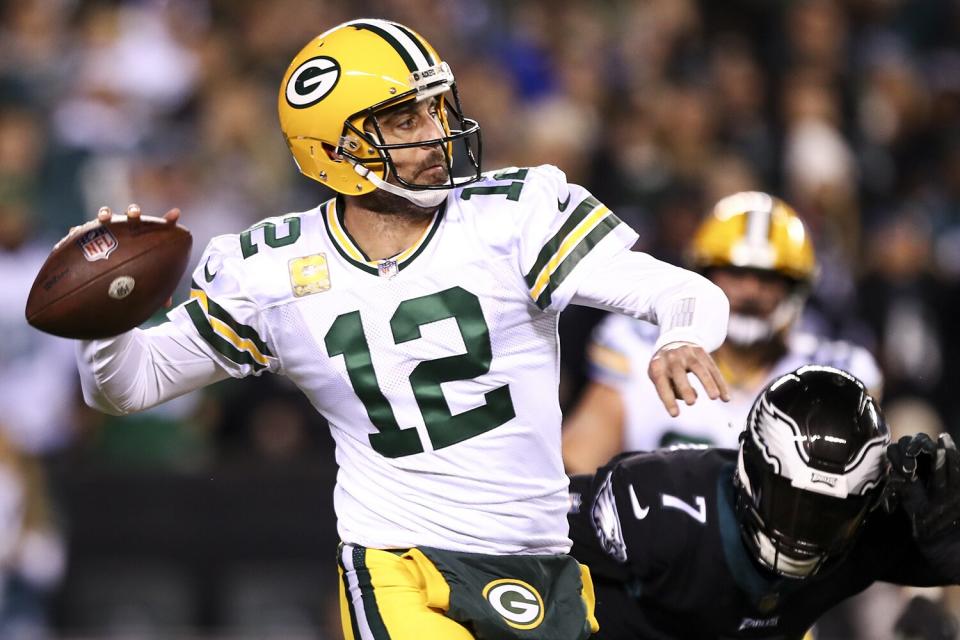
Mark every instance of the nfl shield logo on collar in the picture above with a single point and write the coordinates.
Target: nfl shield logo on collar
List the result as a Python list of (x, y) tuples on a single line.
[(387, 268), (97, 244)]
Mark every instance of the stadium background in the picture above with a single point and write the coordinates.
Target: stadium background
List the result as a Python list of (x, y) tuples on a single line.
[(212, 515)]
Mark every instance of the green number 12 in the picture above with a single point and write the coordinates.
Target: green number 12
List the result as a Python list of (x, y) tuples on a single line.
[(346, 337)]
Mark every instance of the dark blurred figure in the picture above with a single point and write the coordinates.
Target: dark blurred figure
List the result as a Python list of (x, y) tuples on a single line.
[(36, 392)]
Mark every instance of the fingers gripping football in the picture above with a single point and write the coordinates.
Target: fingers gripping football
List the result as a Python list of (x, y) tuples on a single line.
[(109, 275), (133, 213), (104, 215), (669, 371)]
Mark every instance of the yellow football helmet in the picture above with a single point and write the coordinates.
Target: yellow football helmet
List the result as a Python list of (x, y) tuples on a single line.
[(334, 89), (756, 231)]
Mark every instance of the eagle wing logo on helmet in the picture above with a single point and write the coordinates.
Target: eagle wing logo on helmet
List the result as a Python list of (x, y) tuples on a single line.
[(781, 442)]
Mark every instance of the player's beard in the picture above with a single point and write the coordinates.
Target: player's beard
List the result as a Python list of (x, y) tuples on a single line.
[(392, 204), (748, 327)]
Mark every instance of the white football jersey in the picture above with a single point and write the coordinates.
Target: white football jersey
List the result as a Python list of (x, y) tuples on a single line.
[(620, 353), (437, 370)]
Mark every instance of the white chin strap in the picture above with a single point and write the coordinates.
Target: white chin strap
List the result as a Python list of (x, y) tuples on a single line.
[(791, 567), (746, 331), (426, 198)]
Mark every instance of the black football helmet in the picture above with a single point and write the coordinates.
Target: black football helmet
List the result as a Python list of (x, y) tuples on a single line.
[(812, 462)]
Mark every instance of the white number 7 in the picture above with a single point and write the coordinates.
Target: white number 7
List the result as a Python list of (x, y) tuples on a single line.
[(698, 513)]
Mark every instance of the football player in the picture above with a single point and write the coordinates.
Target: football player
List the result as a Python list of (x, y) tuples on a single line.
[(696, 542), (757, 249), (418, 312)]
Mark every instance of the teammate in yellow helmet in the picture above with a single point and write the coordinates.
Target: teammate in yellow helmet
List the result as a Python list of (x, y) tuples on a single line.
[(757, 249)]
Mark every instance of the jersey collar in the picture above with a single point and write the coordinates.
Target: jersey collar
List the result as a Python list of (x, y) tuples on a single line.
[(351, 252)]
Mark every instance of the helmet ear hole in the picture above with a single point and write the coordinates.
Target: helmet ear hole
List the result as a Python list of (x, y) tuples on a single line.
[(331, 152)]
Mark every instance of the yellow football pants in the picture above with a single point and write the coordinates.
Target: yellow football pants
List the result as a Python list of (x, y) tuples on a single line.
[(387, 595), (384, 596)]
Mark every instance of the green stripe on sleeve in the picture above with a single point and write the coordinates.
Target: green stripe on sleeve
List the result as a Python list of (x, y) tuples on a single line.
[(219, 343), (569, 263), (242, 330), (553, 245)]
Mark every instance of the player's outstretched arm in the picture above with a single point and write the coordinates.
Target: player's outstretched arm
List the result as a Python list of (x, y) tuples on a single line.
[(691, 311), (142, 368)]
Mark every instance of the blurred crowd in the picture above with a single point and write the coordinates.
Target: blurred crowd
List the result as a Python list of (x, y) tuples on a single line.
[(848, 109)]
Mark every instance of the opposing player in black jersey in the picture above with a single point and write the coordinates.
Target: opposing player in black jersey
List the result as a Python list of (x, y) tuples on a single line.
[(816, 505)]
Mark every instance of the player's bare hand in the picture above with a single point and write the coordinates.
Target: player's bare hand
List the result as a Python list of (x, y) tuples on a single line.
[(669, 368)]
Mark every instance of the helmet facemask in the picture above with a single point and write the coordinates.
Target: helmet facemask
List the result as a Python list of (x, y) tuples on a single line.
[(794, 532), (363, 142)]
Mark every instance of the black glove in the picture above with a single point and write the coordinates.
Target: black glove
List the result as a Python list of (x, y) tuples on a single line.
[(905, 457), (925, 482)]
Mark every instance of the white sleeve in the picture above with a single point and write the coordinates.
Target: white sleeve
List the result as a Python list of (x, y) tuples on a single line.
[(223, 316), (685, 305), (142, 368), (562, 231)]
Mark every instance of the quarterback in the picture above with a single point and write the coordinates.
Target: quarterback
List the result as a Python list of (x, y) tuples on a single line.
[(417, 310), (758, 251)]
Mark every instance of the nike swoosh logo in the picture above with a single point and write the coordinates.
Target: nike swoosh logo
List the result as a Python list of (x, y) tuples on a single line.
[(562, 206), (639, 512), (206, 271)]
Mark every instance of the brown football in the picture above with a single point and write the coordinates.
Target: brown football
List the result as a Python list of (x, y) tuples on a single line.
[(105, 279)]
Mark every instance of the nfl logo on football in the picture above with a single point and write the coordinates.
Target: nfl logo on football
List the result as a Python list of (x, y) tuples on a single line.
[(97, 244)]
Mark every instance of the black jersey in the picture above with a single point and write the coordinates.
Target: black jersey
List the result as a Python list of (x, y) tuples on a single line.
[(668, 561)]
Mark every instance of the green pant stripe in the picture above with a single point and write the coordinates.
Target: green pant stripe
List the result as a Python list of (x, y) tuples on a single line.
[(346, 595), (550, 248), (374, 621), (586, 245), (215, 340)]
